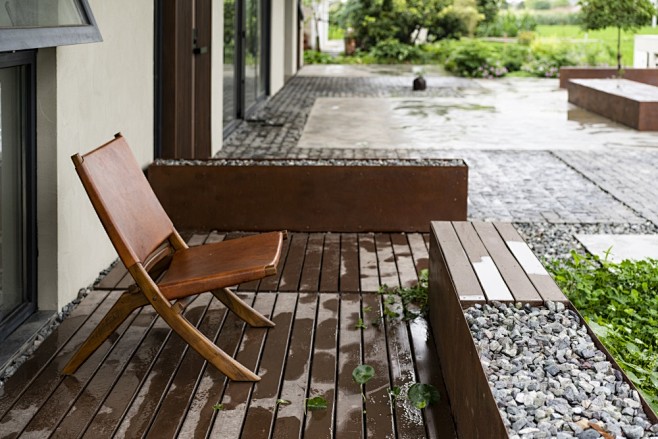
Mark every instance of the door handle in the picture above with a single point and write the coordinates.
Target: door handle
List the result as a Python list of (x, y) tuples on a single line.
[(200, 50)]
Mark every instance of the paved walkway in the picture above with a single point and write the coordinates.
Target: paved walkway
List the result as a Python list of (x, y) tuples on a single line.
[(532, 156)]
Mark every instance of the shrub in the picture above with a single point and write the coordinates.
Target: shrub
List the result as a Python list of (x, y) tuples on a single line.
[(391, 49), (315, 57), (556, 18), (475, 59), (508, 25)]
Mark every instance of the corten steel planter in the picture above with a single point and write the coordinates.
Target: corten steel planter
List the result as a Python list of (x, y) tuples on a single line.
[(302, 195), (646, 76)]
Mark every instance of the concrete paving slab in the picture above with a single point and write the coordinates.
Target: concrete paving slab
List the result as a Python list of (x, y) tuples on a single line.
[(521, 114), (635, 247), (371, 70)]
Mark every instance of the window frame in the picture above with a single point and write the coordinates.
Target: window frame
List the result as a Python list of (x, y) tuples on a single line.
[(38, 37), (29, 305)]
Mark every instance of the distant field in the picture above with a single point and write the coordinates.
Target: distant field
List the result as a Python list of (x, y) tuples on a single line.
[(608, 36)]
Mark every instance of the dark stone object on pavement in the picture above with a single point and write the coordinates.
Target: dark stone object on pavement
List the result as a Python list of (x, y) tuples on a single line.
[(419, 84)]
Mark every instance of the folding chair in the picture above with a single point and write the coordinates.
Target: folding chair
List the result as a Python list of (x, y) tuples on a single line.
[(168, 274)]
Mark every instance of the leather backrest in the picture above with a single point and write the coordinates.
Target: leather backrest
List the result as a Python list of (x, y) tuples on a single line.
[(124, 201)]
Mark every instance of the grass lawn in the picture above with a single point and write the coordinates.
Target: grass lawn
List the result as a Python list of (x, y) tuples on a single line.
[(608, 36)]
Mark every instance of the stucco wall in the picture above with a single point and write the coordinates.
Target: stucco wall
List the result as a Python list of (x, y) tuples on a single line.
[(277, 45), (217, 72), (98, 90)]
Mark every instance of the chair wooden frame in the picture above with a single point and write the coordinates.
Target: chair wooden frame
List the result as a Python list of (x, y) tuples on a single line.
[(167, 273)]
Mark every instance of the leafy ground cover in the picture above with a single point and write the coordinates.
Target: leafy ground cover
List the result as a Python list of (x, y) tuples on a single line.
[(606, 36), (620, 303)]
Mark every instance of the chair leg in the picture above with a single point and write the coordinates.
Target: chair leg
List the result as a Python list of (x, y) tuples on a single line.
[(205, 347), (127, 303), (241, 309)]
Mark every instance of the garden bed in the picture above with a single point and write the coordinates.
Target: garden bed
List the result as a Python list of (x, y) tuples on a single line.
[(311, 195)]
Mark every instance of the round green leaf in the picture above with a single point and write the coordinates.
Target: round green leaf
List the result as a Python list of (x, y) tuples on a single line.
[(316, 403), (421, 395), (363, 373)]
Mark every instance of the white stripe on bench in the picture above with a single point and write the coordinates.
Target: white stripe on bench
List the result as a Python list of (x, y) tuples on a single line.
[(491, 280)]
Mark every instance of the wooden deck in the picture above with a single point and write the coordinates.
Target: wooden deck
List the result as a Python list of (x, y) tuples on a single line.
[(145, 382)]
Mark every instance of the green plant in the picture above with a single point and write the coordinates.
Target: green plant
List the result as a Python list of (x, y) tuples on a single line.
[(218, 407), (621, 14), (422, 395), (315, 57), (360, 324), (315, 403), (391, 49), (414, 299), (620, 303), (476, 59)]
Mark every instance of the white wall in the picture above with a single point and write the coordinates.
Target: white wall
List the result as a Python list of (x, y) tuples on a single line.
[(217, 78), (89, 92), (277, 45), (291, 40)]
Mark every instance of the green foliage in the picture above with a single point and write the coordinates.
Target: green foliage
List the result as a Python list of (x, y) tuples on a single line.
[(363, 373), (620, 302), (218, 407), (360, 324), (489, 8), (476, 59), (538, 4), (315, 57), (422, 395), (621, 14), (556, 18), (414, 299), (392, 50), (316, 403), (508, 25)]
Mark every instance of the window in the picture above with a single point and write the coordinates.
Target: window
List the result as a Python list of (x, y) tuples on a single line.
[(17, 190), (30, 24)]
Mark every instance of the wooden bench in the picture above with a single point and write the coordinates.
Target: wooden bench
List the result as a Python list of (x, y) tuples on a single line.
[(629, 102), (477, 262)]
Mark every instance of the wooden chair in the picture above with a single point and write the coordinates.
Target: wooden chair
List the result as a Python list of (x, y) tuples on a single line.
[(167, 273)]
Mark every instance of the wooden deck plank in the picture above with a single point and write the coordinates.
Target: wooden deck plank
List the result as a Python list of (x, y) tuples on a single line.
[(49, 379), (349, 403), (404, 260), (174, 406), (146, 401), (320, 423), (55, 406), (490, 278), (419, 252), (349, 263), (212, 384), (109, 414), (56, 344), (261, 412), (542, 281), (388, 270), (330, 263), (438, 419), (517, 281), (228, 422), (380, 418), (113, 277), (94, 393), (292, 271), (271, 283), (403, 374), (294, 386), (369, 273), (310, 280), (461, 272)]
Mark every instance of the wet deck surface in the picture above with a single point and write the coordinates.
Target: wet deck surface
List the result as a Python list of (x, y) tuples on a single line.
[(144, 381)]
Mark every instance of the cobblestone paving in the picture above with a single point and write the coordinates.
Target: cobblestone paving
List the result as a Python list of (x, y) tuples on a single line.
[(628, 175), (565, 187)]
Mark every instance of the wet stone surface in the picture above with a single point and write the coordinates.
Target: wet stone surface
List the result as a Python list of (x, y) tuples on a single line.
[(548, 377), (306, 162)]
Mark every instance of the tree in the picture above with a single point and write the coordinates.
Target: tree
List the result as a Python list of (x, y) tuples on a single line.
[(622, 14), (490, 9)]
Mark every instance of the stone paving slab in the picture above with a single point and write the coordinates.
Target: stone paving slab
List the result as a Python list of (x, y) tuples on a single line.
[(620, 247)]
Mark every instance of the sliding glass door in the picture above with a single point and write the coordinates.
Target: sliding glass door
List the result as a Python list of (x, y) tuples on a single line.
[(17, 228)]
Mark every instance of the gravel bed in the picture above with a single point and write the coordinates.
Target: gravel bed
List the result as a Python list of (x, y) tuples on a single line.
[(550, 241), (313, 162), (548, 377)]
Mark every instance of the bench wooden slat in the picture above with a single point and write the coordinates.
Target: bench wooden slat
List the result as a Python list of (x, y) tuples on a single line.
[(540, 278), (368, 263), (490, 278), (312, 263), (404, 260), (517, 280), (330, 263), (461, 272)]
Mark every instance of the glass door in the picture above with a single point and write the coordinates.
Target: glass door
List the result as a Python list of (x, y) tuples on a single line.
[(17, 227)]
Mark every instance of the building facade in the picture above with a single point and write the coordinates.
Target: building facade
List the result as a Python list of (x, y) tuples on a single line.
[(175, 77)]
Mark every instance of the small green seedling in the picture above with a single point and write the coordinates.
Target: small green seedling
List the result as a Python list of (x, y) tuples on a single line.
[(367, 308), (315, 403), (361, 375), (394, 392), (422, 395), (282, 402), (360, 324), (218, 407)]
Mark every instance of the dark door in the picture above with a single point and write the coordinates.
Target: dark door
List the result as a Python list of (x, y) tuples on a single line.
[(185, 78), (17, 190)]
